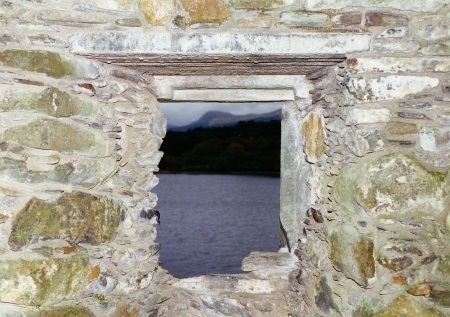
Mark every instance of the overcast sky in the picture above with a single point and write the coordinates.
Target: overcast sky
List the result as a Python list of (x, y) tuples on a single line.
[(180, 114)]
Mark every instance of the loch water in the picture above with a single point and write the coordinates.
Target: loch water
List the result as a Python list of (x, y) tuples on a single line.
[(210, 223)]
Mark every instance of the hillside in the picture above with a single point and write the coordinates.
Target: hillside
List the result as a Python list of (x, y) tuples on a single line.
[(221, 119), (247, 147)]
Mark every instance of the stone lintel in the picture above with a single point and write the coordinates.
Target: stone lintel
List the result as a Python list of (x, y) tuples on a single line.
[(233, 95), (220, 53)]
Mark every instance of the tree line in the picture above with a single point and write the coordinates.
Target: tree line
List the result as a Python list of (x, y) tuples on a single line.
[(247, 147)]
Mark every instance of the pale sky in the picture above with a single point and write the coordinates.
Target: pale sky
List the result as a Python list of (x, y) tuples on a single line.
[(181, 113)]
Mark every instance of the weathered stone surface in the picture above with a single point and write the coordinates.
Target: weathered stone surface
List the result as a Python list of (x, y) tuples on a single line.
[(352, 253), (45, 39), (420, 290), (34, 281), (405, 306), (228, 307), (52, 134), (130, 22), (412, 115), (50, 63), (380, 19), (434, 140), (264, 260), (324, 298), (70, 18), (75, 311), (260, 21), (264, 306), (219, 43), (435, 32), (314, 135), (398, 127), (157, 12), (304, 19), (393, 33), (440, 49), (397, 263), (117, 5), (260, 4), (86, 173), (392, 184), (48, 100), (405, 46), (93, 219), (398, 65), (348, 19), (204, 11), (389, 87), (135, 280), (361, 142), (410, 5), (415, 104), (356, 116)]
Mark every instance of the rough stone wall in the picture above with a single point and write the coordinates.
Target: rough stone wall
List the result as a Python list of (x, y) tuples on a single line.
[(80, 139)]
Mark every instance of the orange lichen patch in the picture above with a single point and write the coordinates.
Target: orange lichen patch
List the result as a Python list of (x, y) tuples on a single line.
[(420, 290), (3, 218), (204, 11), (95, 272), (399, 280)]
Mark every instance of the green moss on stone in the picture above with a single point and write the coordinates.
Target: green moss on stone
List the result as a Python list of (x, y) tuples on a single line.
[(352, 253), (46, 62), (75, 217), (394, 184), (66, 312), (36, 281), (52, 134), (405, 306), (51, 101)]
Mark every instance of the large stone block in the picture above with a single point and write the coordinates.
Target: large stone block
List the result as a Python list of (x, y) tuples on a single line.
[(434, 139), (52, 134), (76, 217), (391, 184), (352, 253), (34, 280), (260, 4), (366, 89), (410, 5), (304, 19), (50, 63), (47, 100), (116, 5), (314, 135), (204, 11), (157, 12), (405, 306)]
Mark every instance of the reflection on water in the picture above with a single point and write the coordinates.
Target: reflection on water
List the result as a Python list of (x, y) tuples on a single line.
[(210, 223)]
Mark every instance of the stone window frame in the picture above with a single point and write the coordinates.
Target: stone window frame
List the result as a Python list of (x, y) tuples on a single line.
[(295, 92)]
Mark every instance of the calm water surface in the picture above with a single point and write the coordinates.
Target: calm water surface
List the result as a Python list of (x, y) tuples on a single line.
[(210, 223)]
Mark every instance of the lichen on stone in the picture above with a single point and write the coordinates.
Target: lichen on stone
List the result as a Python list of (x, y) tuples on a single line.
[(75, 217), (52, 134), (50, 101), (36, 281), (46, 62), (391, 184)]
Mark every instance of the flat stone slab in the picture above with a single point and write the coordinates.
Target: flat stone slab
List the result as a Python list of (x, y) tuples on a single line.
[(219, 43), (226, 283)]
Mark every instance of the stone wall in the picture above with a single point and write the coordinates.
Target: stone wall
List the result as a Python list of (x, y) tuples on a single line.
[(367, 157)]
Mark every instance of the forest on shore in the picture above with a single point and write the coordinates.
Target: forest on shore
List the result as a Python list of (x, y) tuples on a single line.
[(247, 147)]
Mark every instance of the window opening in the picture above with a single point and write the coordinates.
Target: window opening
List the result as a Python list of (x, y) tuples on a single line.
[(214, 210)]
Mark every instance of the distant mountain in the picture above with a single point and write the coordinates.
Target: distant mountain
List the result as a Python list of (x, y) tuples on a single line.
[(219, 119)]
